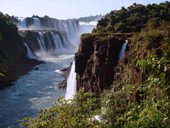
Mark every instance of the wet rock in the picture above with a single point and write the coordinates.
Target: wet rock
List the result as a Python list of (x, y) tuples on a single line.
[(62, 85), (65, 72), (36, 68)]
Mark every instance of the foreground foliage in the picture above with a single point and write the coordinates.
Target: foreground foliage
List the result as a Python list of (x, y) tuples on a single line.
[(139, 97)]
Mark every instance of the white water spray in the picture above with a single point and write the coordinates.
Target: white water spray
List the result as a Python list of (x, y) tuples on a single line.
[(71, 83), (122, 51)]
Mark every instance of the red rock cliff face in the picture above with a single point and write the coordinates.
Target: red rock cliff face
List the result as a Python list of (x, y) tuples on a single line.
[(95, 61)]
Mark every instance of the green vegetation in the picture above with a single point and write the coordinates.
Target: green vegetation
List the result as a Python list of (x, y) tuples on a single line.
[(140, 95), (133, 18), (140, 98)]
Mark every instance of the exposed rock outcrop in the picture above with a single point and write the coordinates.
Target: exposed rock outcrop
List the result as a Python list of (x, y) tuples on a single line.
[(96, 59), (15, 61)]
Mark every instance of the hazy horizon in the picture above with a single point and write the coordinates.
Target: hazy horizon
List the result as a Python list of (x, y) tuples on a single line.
[(65, 9)]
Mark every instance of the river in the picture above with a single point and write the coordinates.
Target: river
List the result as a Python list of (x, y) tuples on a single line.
[(34, 91)]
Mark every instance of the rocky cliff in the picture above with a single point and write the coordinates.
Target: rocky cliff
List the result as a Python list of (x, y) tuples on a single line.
[(96, 59), (15, 61), (13, 53)]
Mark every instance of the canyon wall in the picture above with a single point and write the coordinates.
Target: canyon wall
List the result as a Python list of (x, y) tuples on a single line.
[(97, 56)]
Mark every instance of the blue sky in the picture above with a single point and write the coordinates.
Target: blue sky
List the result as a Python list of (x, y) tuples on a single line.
[(64, 9)]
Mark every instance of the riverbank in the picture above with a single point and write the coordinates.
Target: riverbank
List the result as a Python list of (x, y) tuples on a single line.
[(15, 69)]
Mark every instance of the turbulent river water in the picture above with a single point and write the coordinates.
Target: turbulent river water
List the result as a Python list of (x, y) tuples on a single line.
[(34, 91)]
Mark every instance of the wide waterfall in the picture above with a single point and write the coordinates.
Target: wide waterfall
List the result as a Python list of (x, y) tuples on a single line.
[(122, 51), (71, 83), (39, 88), (49, 35)]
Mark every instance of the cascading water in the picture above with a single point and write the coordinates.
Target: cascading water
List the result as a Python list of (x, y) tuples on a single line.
[(42, 39), (37, 24), (71, 83), (57, 40), (39, 88), (29, 52), (40, 44), (22, 23), (122, 51), (54, 35), (50, 47)]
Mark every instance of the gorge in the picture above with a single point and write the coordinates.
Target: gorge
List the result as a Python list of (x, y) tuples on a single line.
[(52, 42), (119, 76)]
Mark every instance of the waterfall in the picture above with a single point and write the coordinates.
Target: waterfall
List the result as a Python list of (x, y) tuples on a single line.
[(71, 83), (122, 51), (22, 23), (37, 24), (52, 36), (42, 39), (40, 44), (57, 40), (29, 52), (50, 47)]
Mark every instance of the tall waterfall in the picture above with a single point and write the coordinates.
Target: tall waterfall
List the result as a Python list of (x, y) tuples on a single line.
[(71, 83), (122, 51)]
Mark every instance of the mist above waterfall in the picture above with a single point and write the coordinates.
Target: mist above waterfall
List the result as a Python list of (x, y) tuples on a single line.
[(46, 37)]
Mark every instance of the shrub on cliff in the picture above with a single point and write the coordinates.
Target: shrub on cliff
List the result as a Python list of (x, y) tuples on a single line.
[(76, 113)]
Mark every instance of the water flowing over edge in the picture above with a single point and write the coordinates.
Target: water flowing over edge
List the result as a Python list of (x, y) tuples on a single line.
[(122, 51), (71, 83)]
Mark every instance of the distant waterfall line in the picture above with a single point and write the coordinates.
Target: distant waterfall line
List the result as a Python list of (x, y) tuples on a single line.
[(36, 23), (51, 35)]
